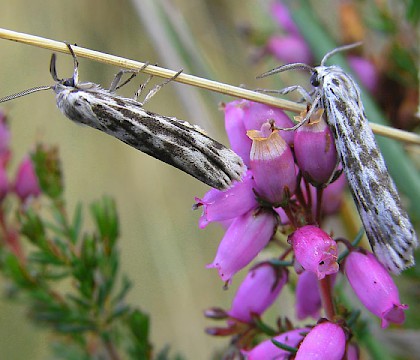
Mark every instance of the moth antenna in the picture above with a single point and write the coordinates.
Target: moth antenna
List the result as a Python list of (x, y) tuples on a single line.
[(53, 70), (25, 92), (339, 49), (286, 67)]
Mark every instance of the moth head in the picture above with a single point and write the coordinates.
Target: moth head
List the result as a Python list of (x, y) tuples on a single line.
[(314, 80), (70, 82)]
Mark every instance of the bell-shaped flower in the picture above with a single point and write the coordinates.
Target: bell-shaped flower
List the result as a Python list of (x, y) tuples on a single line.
[(365, 71), (267, 350), (326, 340), (244, 115), (4, 140), (333, 196), (244, 239), (374, 287), (289, 49), (224, 205), (315, 150), (258, 291), (273, 165), (4, 183), (281, 14), (26, 181), (353, 352), (257, 114), (235, 128), (308, 299), (315, 250)]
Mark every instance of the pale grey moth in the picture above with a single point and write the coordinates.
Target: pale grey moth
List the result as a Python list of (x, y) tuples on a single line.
[(386, 223), (168, 139)]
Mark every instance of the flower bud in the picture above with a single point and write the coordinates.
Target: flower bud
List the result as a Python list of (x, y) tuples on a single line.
[(333, 196), (273, 165), (4, 140), (224, 205), (315, 250), (267, 350), (325, 341), (257, 291), (308, 299), (26, 182), (315, 150), (4, 183), (365, 71), (289, 49), (281, 14), (244, 239), (353, 352), (374, 287)]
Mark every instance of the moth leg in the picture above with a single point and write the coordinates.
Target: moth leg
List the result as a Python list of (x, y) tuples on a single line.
[(156, 88), (75, 66), (313, 108), (115, 85), (335, 174), (307, 96)]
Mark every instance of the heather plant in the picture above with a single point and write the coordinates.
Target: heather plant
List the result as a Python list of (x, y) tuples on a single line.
[(293, 184), (68, 278)]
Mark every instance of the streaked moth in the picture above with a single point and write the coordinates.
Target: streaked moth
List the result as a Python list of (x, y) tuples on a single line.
[(386, 223), (168, 139)]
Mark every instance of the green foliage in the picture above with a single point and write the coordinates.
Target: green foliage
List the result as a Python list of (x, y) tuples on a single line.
[(69, 279)]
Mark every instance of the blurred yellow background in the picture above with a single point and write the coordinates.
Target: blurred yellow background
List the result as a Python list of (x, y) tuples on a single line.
[(163, 251)]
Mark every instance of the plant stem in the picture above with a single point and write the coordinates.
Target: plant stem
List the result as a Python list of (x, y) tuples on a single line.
[(326, 297), (211, 85)]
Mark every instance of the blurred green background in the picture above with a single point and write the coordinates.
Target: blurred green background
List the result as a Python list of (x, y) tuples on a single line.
[(163, 251)]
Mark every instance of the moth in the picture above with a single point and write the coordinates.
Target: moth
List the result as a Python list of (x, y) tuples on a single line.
[(168, 139), (387, 225)]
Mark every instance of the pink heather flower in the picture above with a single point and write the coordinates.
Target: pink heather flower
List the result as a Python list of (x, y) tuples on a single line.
[(365, 71), (315, 150), (353, 352), (224, 205), (325, 341), (244, 239), (26, 182), (267, 350), (235, 128), (256, 115), (289, 49), (4, 140), (374, 287), (258, 291), (308, 299), (315, 250), (283, 219), (243, 115), (273, 165), (333, 196), (4, 183), (281, 14)]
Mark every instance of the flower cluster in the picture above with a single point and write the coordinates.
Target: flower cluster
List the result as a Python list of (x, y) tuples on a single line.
[(293, 181), (289, 46), (291, 184), (24, 185), (288, 187)]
